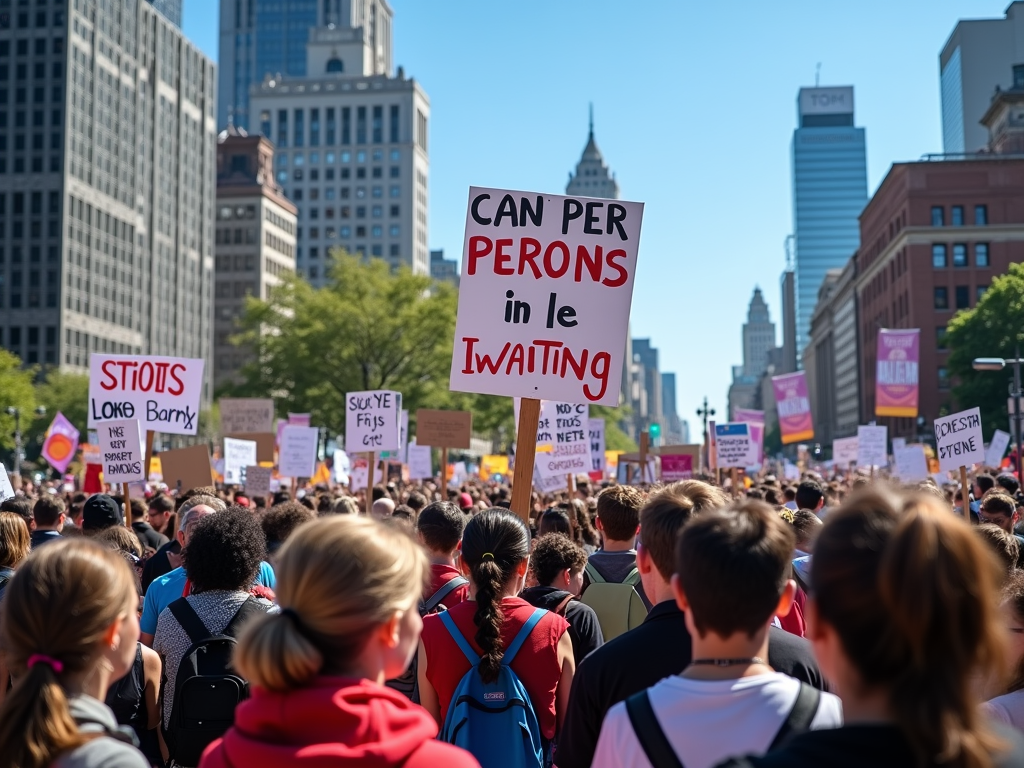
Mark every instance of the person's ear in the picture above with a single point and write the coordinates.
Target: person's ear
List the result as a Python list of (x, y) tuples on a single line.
[(598, 524), (644, 563), (390, 631), (523, 567), (786, 599), (180, 536), (680, 595), (111, 633), (566, 577)]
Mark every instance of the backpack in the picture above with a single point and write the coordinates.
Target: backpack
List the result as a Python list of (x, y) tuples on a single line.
[(495, 722), (408, 683), (659, 751), (206, 689), (619, 607)]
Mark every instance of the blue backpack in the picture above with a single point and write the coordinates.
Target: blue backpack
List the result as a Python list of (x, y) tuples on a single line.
[(494, 722)]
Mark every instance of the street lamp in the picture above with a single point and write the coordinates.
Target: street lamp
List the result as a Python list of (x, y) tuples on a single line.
[(997, 364), (704, 413), (18, 453)]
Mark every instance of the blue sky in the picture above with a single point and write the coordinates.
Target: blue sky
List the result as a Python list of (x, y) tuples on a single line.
[(695, 105)]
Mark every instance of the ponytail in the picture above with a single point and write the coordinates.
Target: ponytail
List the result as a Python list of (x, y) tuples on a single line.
[(494, 543), (35, 722)]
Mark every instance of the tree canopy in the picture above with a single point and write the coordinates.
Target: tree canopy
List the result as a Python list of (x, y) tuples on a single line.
[(16, 391)]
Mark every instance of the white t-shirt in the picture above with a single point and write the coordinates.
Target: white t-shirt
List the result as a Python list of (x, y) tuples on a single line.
[(1008, 708), (708, 721)]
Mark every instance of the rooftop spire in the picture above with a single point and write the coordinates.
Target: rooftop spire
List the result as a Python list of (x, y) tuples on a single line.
[(591, 120)]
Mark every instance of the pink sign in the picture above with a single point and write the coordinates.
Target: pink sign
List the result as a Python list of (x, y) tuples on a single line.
[(794, 407), (675, 468), (61, 443), (896, 374), (756, 421)]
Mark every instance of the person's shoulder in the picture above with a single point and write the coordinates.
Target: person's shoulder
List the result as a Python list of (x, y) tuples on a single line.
[(431, 754), (103, 752), (577, 610), (169, 580), (1013, 756)]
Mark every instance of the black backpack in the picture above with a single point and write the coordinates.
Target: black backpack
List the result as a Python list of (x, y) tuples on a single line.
[(206, 689)]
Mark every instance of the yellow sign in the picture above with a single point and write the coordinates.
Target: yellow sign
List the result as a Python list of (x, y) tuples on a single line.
[(493, 465)]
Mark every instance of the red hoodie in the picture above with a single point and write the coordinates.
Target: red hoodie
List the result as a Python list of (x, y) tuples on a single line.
[(333, 720)]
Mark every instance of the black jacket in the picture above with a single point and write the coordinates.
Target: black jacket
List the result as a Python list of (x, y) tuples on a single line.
[(584, 628), (148, 535)]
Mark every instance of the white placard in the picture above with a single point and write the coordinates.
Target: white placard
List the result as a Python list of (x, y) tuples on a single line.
[(958, 439), (551, 484), (997, 448), (342, 467), (598, 461), (163, 393), (734, 445), (420, 464), (360, 471), (257, 480), (546, 287), (898, 444), (298, 451), (791, 471), (6, 489), (123, 459), (844, 450), (565, 427), (911, 463), (238, 454), (373, 421), (871, 446), (460, 472)]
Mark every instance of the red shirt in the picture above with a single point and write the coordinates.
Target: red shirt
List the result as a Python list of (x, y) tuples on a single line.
[(536, 664), (441, 575)]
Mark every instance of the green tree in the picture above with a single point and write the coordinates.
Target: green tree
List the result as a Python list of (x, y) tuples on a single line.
[(994, 328), (16, 391)]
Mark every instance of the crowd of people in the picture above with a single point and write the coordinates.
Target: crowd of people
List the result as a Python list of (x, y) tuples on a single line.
[(846, 621)]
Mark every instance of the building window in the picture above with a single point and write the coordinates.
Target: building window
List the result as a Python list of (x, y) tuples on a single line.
[(963, 297), (943, 378), (981, 215), (959, 255), (941, 297), (300, 127), (396, 155), (957, 216), (346, 231), (378, 125), (981, 255), (394, 230), (314, 127), (394, 124), (282, 128), (330, 132), (360, 125), (377, 231), (980, 291), (346, 130), (940, 338), (938, 256), (938, 216), (395, 250)]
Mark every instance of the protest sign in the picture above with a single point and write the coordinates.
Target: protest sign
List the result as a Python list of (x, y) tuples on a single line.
[(121, 448), (238, 454), (676, 467), (844, 450), (790, 470), (493, 464), (898, 443), (360, 474), (996, 449), (246, 415), (549, 484), (6, 489), (163, 393), (872, 443), (629, 470), (444, 429), (420, 463), (734, 446), (187, 468), (266, 444), (958, 439), (61, 443), (299, 419), (911, 463), (298, 451), (896, 372), (257, 480), (794, 407), (342, 467), (598, 465), (372, 421), (567, 428), (401, 455)]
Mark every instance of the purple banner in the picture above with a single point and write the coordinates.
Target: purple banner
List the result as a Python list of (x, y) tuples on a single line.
[(61, 443)]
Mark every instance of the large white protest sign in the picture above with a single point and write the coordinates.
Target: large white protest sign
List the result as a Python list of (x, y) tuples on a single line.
[(958, 439), (238, 454), (246, 415), (844, 450), (298, 451), (996, 449), (911, 463), (420, 465), (163, 393), (546, 287), (6, 489), (257, 480), (898, 444), (567, 427), (598, 461), (373, 421), (872, 442), (734, 445), (121, 447)]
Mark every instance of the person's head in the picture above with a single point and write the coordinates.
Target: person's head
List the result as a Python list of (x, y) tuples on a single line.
[(618, 512), (138, 510), (19, 505), (381, 508), (1008, 484), (810, 495), (903, 607), (122, 539), (77, 507), (348, 588), (417, 501), (194, 510), (1013, 615), (806, 526), (554, 520), (14, 540), (999, 509), (558, 562), (465, 502), (440, 526), (101, 511), (379, 492), (224, 551), (281, 521), (983, 483), (495, 557), (69, 615), (48, 513), (789, 494), (732, 570), (160, 509), (346, 505), (1004, 545)]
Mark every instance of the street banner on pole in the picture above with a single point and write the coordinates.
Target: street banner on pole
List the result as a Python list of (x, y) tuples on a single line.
[(896, 376), (794, 407)]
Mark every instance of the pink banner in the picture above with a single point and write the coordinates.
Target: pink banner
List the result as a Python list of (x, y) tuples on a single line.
[(794, 407), (61, 443), (896, 374), (674, 468)]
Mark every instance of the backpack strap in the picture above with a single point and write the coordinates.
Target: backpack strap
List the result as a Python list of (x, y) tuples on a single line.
[(446, 589), (460, 641), (800, 717), (594, 575), (648, 732), (189, 620), (560, 610), (245, 610), (520, 638), (633, 577)]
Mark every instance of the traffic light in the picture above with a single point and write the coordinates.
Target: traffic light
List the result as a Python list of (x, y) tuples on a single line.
[(654, 431)]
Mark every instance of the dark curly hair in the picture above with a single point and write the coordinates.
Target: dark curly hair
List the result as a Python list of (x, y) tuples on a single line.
[(225, 551), (554, 553), (282, 519)]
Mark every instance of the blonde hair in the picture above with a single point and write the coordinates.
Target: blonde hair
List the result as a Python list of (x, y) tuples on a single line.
[(14, 539), (59, 604), (338, 578)]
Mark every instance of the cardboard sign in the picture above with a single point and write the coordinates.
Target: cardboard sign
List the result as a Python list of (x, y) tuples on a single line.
[(238, 454), (246, 414), (597, 446), (444, 429), (187, 468), (997, 448), (546, 287), (911, 463), (420, 464), (844, 450), (298, 451), (958, 439), (121, 446), (676, 467), (566, 428), (61, 443), (266, 444), (734, 445), (373, 421), (163, 393), (6, 489), (871, 446), (257, 480)]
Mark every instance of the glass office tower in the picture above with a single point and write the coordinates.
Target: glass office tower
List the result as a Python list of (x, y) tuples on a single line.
[(830, 189), (169, 8)]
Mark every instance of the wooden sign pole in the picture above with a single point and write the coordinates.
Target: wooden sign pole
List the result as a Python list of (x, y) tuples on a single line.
[(735, 483), (371, 461), (571, 484), (444, 471), (149, 451), (965, 493), (644, 447), (526, 452), (127, 506)]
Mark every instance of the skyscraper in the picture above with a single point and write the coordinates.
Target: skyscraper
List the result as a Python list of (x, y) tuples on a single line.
[(107, 187), (260, 38), (169, 8), (758, 343), (830, 189), (977, 58)]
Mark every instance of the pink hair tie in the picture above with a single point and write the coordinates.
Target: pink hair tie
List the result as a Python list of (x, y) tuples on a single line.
[(56, 666)]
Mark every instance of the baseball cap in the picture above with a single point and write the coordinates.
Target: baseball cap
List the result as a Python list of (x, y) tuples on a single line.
[(101, 511), (465, 501)]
